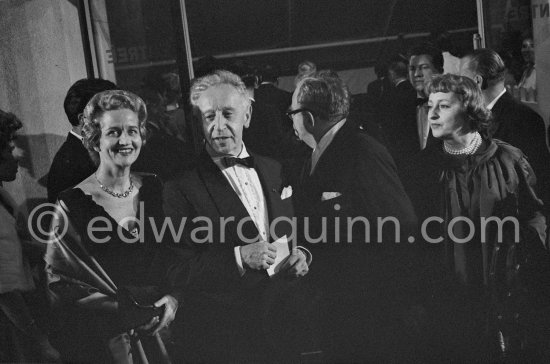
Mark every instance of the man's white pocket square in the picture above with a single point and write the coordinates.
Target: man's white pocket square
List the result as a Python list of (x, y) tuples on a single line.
[(330, 195), (287, 192)]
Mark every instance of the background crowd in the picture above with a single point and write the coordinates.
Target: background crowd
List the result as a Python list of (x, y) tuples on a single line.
[(438, 134)]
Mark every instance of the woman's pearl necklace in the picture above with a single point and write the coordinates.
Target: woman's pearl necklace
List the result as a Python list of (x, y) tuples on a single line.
[(470, 149)]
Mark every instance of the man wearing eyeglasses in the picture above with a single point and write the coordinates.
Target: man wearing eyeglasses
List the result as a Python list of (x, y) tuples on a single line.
[(350, 175)]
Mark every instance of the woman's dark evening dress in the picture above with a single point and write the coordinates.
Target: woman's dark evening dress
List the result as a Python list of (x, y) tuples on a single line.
[(81, 262)]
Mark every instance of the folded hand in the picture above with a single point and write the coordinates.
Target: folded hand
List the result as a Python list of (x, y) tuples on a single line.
[(258, 255), (295, 265)]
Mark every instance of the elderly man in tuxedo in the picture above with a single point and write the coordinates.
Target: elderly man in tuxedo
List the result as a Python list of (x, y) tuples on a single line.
[(361, 276), (232, 199)]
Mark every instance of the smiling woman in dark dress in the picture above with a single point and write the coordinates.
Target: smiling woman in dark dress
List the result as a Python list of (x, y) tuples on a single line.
[(107, 271)]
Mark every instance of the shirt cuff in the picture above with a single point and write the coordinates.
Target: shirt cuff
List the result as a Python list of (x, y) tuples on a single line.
[(309, 256), (239, 261)]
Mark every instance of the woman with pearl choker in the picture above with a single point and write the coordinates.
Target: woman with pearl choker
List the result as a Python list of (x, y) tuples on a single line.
[(462, 181)]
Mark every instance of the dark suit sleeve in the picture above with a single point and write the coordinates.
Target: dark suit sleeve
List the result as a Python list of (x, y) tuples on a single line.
[(379, 191), (55, 179)]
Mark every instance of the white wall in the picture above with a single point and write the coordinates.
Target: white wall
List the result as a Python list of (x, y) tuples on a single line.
[(41, 55)]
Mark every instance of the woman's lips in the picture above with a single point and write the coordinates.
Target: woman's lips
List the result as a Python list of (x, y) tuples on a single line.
[(125, 151)]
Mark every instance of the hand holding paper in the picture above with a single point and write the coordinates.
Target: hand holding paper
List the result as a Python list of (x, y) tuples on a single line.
[(281, 245), (288, 263)]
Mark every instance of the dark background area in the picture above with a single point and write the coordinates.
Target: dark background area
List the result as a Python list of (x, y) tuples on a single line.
[(146, 34)]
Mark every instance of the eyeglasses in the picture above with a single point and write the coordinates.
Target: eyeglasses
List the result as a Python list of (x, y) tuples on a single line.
[(291, 113)]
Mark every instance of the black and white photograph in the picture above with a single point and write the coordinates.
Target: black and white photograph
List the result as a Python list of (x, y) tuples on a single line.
[(274, 181)]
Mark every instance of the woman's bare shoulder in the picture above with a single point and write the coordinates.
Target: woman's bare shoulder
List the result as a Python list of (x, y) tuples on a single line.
[(89, 186)]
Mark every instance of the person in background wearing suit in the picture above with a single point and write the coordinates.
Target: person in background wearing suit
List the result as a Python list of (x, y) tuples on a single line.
[(350, 175), (512, 122), (425, 61), (377, 90), (234, 196), (264, 135), (268, 92), (399, 110), (72, 163)]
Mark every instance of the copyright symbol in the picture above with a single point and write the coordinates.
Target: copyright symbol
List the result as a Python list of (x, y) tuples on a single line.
[(36, 222)]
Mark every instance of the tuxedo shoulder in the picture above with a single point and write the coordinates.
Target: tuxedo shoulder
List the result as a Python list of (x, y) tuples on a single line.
[(182, 179), (266, 160), (514, 108), (368, 144)]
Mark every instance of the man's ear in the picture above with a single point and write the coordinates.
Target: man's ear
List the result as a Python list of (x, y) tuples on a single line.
[(248, 116), (309, 121), (481, 81), (80, 120)]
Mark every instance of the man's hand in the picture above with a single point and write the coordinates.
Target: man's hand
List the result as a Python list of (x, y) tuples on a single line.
[(258, 255), (295, 265)]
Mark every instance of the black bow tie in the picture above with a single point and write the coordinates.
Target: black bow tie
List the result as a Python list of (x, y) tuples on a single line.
[(231, 161)]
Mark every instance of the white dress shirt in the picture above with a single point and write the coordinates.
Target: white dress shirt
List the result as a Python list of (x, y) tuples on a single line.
[(246, 184)]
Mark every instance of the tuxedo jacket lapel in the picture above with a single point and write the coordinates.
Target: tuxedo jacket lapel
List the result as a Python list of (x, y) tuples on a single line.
[(271, 186), (224, 197), (228, 203)]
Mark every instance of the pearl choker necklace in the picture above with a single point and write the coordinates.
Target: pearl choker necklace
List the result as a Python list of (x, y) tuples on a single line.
[(113, 193), (470, 149)]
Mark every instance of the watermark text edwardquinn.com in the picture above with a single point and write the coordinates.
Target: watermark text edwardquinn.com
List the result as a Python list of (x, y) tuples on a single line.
[(203, 230)]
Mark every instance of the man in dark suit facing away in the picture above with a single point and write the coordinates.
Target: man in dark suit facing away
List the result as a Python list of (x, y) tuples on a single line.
[(268, 92), (399, 114), (233, 196), (72, 163), (360, 275), (512, 121)]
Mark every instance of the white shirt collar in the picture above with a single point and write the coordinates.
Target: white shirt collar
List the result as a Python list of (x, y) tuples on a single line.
[(325, 142), (492, 103), (76, 135), (329, 136)]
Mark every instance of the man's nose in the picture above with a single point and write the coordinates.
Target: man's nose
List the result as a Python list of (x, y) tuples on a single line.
[(220, 122), (417, 72)]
